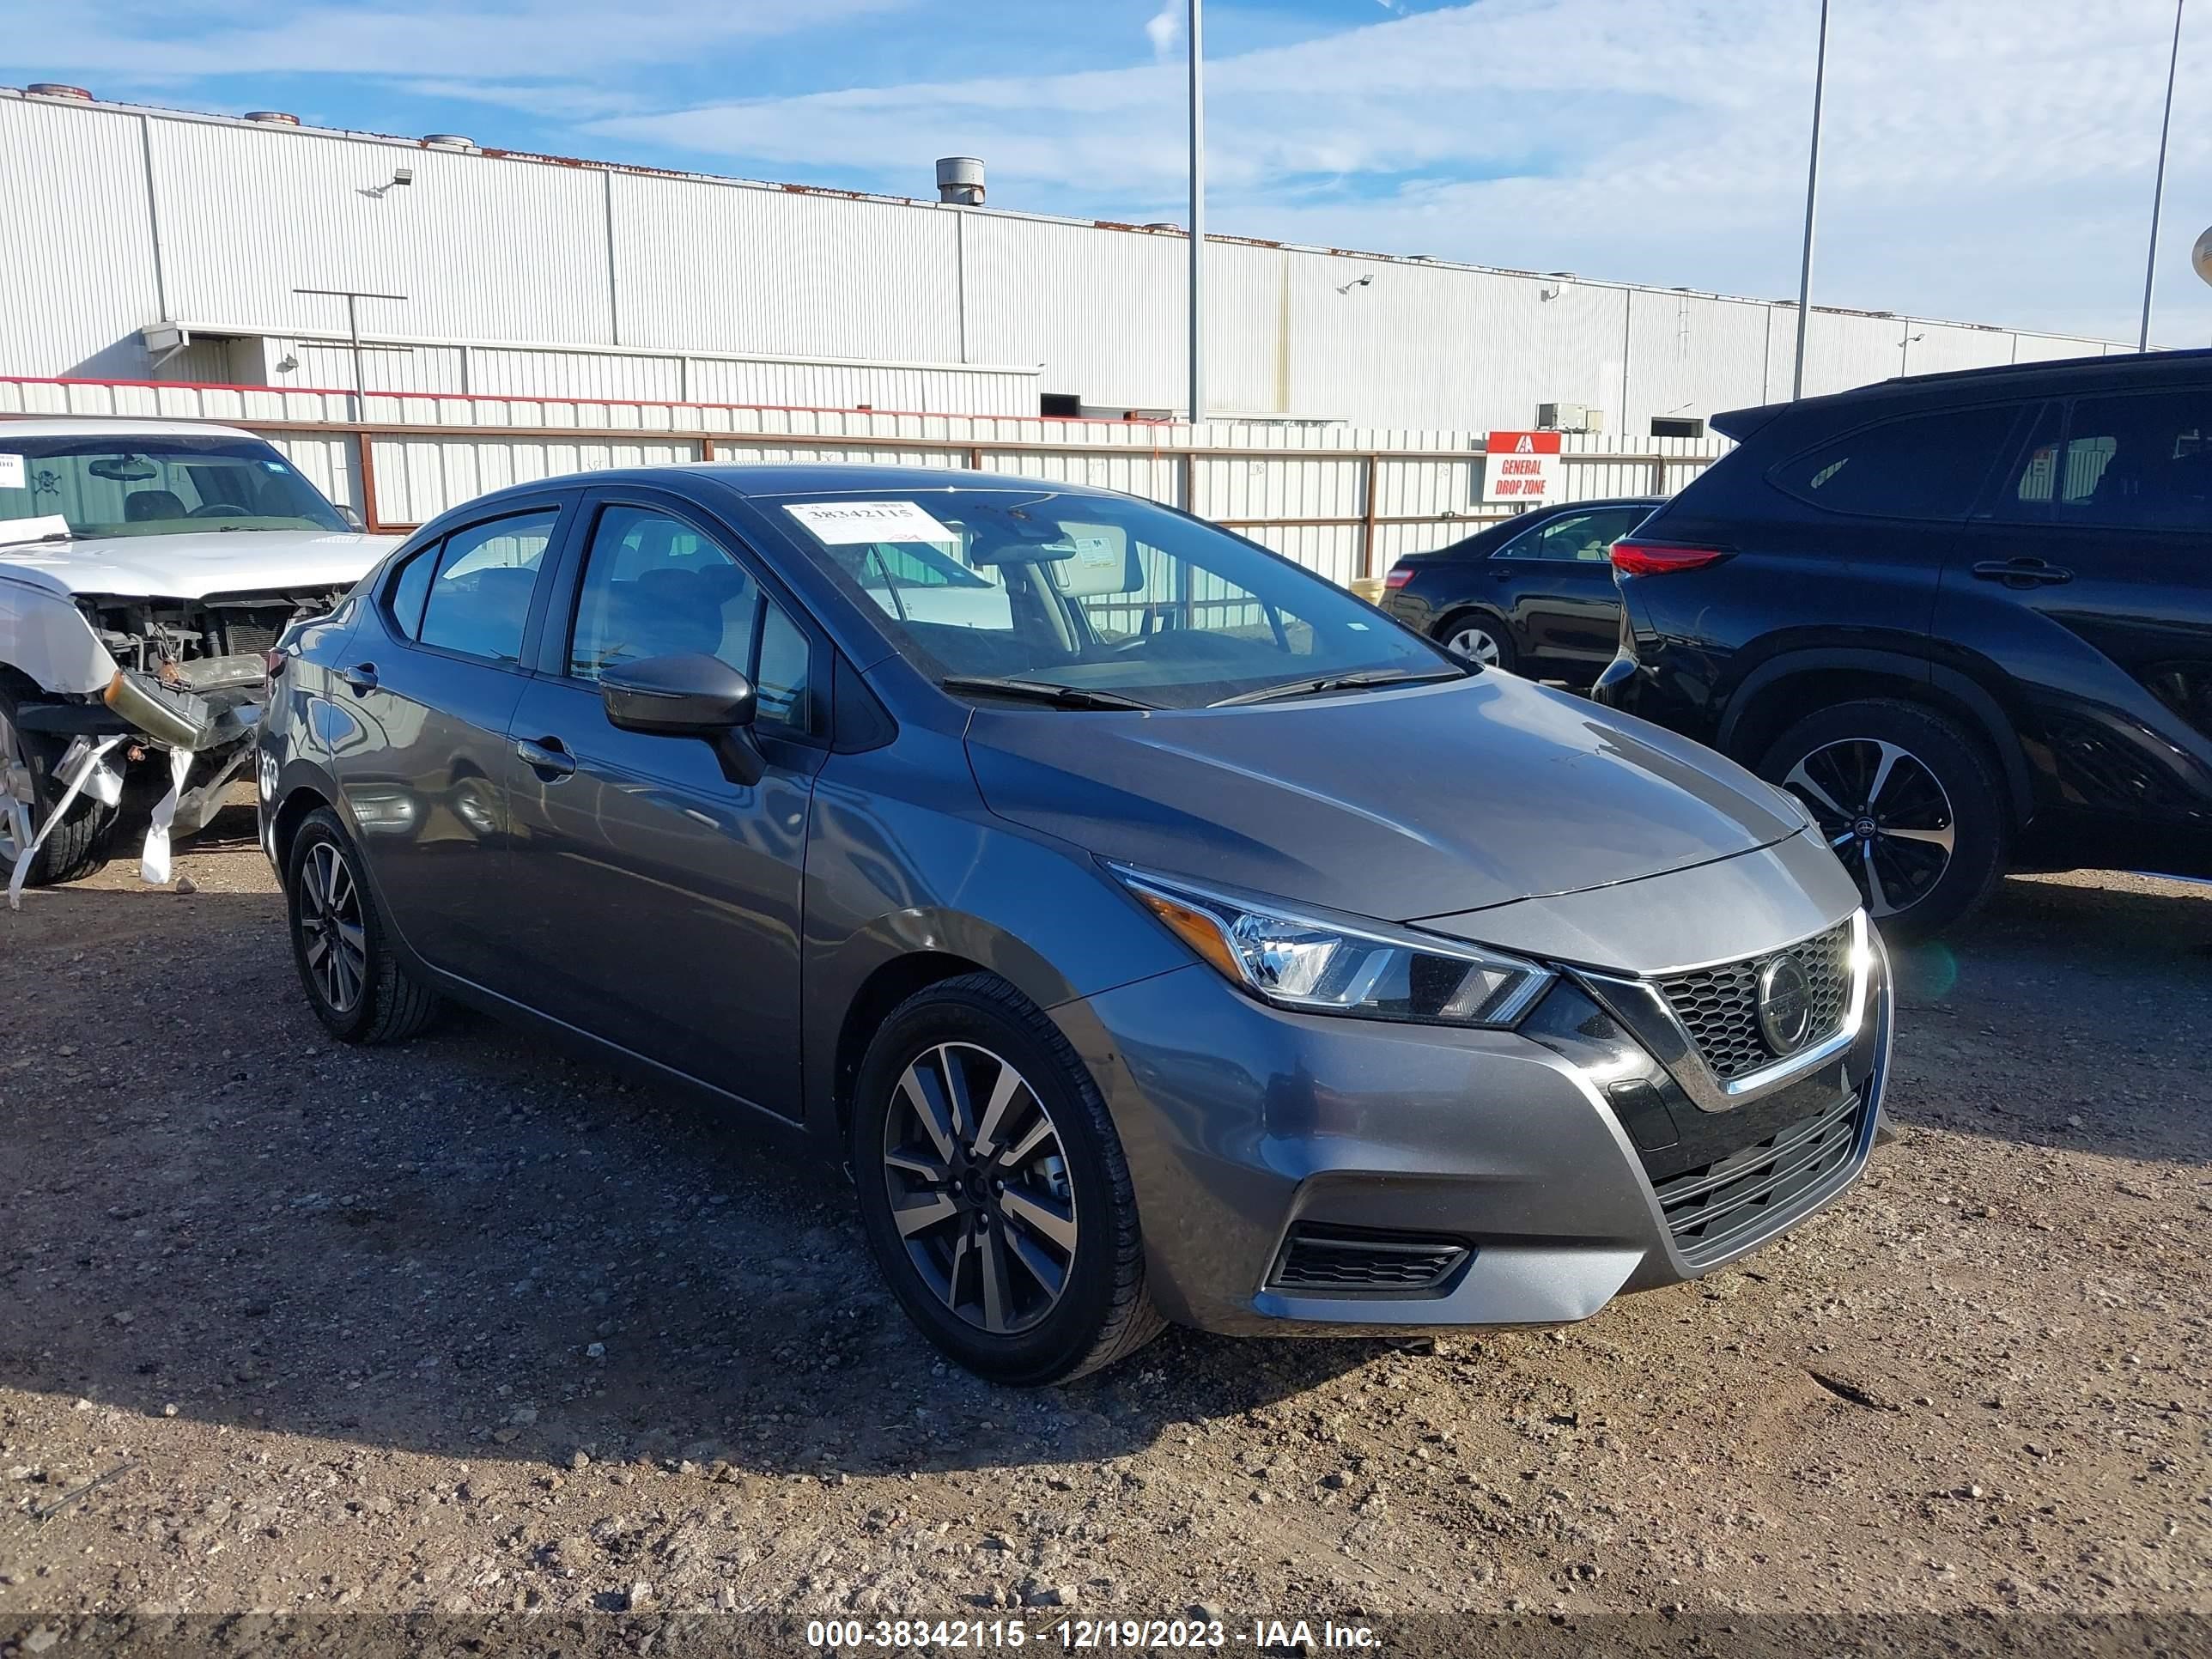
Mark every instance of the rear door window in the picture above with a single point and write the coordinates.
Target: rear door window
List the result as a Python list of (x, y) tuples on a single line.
[(1919, 466), (479, 600), (1578, 538), (2139, 462)]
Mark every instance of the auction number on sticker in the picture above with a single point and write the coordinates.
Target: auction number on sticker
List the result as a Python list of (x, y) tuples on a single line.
[(898, 1633)]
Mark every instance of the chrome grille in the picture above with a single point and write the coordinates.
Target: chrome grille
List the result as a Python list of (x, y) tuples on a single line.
[(1711, 1210), (1719, 1007)]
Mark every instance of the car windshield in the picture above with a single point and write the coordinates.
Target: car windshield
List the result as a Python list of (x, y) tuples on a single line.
[(1098, 598), (121, 484)]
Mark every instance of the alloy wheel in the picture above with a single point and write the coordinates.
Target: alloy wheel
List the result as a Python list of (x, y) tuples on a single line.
[(1884, 814), (332, 937), (979, 1187), (1475, 644)]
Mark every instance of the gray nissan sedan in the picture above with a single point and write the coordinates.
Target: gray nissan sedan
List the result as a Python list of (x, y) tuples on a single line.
[(1155, 931)]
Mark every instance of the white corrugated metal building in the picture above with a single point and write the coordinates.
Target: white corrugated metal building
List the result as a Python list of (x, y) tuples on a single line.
[(146, 244)]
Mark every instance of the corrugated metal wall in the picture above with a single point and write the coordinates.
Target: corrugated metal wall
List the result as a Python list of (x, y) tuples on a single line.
[(545, 260)]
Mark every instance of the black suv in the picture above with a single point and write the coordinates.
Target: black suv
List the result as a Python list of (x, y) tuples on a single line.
[(1966, 619)]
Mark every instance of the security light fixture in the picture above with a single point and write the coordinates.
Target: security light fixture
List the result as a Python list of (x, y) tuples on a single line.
[(1357, 282), (403, 175)]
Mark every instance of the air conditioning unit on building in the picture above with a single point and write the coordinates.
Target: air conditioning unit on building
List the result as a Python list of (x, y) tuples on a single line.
[(1569, 417)]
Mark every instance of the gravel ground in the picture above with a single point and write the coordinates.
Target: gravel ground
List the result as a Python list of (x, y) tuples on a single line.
[(462, 1328)]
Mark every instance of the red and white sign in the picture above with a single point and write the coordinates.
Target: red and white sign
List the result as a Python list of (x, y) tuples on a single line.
[(1522, 467)]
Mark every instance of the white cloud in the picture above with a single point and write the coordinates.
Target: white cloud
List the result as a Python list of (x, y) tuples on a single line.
[(1164, 30), (1988, 159)]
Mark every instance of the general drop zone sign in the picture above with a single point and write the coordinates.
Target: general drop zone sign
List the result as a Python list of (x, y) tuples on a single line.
[(1522, 466)]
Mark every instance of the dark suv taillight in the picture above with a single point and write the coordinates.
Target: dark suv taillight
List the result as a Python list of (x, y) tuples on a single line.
[(1632, 557)]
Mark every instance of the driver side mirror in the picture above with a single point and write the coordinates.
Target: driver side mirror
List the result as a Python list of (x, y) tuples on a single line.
[(353, 518), (692, 695)]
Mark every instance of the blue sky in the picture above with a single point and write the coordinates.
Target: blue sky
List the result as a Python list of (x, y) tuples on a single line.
[(1987, 160)]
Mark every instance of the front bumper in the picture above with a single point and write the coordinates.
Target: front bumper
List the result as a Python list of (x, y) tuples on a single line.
[(1248, 1128)]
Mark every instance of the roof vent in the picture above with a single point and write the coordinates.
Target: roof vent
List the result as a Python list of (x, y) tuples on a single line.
[(960, 181), (273, 118), (56, 89), (447, 141), (1165, 224)]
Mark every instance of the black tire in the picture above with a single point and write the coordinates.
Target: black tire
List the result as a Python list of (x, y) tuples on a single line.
[(76, 847), (379, 1001), (1939, 781), (1452, 632), (1100, 1312)]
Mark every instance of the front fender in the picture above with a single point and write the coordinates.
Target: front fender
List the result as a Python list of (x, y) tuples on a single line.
[(46, 638), (898, 863)]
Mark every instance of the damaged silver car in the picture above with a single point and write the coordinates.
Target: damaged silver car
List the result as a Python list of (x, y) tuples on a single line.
[(146, 567)]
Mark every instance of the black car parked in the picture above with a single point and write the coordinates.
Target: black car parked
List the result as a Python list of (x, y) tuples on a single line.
[(1966, 619), (1533, 594)]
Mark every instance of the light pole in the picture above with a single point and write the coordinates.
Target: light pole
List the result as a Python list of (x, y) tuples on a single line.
[(2158, 191), (1812, 199), (1197, 213)]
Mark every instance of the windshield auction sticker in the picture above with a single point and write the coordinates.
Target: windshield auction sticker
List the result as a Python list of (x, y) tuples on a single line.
[(844, 524), (11, 471)]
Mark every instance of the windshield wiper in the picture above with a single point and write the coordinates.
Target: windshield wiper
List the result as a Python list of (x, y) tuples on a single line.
[(1334, 683), (1060, 696)]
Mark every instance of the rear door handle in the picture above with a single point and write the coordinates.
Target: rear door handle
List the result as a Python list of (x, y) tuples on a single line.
[(2022, 573), (360, 679), (547, 756)]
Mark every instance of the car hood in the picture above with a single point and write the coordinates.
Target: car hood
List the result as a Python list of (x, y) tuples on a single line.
[(195, 564), (1430, 801)]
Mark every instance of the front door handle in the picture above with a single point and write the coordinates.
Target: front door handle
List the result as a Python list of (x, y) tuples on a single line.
[(2022, 573), (360, 679), (547, 756)]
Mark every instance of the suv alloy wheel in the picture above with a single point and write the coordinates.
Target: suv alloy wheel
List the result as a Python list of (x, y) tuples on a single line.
[(1910, 804)]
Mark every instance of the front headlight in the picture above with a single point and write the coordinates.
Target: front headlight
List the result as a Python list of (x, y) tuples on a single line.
[(1371, 968)]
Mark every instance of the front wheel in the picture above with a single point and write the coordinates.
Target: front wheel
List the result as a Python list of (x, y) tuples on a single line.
[(355, 983), (993, 1190), (1911, 804), (29, 791)]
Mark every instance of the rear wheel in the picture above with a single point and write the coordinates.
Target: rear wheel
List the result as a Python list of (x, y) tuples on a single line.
[(1911, 804), (354, 982), (75, 848), (993, 1190), (1478, 639)]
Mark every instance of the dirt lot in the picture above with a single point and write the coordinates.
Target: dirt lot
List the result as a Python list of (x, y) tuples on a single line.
[(467, 1328)]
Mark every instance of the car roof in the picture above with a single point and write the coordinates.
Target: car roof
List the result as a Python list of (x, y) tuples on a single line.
[(2052, 377), (1506, 529), (101, 426), (813, 478)]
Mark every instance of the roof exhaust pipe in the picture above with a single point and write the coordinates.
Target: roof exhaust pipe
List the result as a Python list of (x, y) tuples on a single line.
[(960, 181)]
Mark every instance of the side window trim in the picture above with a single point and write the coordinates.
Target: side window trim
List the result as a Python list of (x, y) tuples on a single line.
[(529, 507), (1989, 502)]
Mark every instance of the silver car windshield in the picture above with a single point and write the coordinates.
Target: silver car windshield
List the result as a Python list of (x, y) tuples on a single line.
[(122, 485), (1097, 595)]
